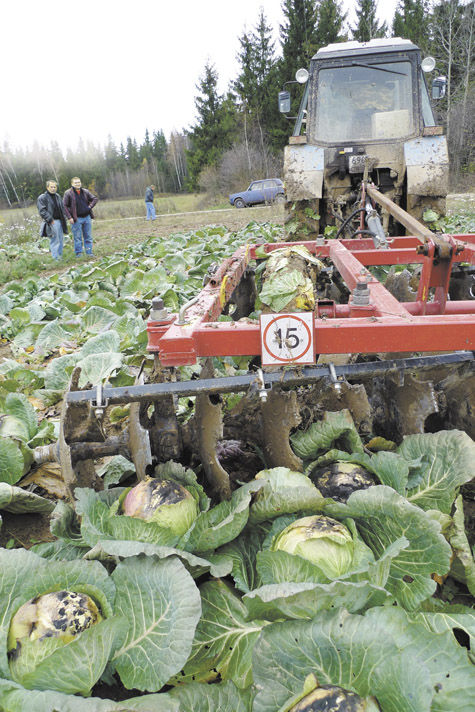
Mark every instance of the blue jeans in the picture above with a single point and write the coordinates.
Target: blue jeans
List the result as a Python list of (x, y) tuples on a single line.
[(56, 240), (150, 211), (82, 229)]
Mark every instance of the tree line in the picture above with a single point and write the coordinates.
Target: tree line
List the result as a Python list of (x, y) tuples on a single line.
[(239, 134)]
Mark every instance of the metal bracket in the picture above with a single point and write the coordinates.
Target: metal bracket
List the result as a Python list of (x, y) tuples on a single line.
[(336, 380), (99, 403), (181, 314), (258, 384)]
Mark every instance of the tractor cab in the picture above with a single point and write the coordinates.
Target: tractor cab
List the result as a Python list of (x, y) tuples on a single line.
[(366, 92)]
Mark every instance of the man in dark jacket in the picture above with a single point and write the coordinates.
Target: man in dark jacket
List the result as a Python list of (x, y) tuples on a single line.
[(151, 214), (78, 204), (54, 225)]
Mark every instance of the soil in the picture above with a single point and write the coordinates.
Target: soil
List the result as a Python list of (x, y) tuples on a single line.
[(5, 351), (24, 530)]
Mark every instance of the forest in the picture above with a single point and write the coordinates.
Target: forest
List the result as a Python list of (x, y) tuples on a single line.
[(239, 135)]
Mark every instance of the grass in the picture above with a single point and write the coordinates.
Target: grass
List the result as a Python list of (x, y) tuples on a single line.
[(126, 208)]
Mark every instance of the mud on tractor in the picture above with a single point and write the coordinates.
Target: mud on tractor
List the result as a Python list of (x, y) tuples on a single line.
[(397, 357)]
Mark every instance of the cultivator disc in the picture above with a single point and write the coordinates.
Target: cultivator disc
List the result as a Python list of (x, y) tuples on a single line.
[(343, 346)]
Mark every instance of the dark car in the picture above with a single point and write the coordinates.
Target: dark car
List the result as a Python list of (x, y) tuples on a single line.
[(270, 190)]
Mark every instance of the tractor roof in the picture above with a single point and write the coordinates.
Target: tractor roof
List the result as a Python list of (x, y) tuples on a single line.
[(349, 49)]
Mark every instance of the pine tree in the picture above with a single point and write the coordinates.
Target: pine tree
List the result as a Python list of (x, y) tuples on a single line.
[(145, 150), (330, 23), (132, 153), (367, 25), (411, 21), (246, 85), (111, 154), (257, 83), (159, 149), (298, 36), (215, 128)]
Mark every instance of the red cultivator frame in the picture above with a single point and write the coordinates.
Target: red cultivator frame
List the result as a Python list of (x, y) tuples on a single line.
[(382, 325), (373, 321)]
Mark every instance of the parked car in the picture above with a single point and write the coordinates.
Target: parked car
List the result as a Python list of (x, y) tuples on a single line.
[(270, 190)]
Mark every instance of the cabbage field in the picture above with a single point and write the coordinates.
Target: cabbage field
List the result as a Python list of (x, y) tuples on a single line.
[(348, 586)]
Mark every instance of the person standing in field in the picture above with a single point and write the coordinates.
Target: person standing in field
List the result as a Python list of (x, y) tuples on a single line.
[(54, 225), (78, 204), (151, 214)]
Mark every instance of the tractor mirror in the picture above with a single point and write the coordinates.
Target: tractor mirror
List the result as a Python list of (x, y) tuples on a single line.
[(284, 102), (439, 87)]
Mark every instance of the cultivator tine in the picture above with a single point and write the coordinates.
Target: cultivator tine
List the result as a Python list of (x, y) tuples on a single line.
[(79, 474), (401, 404), (280, 414), (345, 396), (78, 425), (457, 395), (139, 443), (165, 438), (165, 434), (412, 404), (209, 430)]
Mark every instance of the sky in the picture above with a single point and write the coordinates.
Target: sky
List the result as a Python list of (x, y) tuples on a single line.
[(74, 70)]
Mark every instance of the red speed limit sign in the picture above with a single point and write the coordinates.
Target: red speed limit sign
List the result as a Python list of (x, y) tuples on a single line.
[(287, 338)]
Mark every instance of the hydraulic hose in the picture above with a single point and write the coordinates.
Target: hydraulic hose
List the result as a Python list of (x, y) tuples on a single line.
[(347, 220), (363, 232)]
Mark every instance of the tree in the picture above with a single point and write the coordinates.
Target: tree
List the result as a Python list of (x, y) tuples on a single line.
[(257, 85), (132, 153), (411, 21), (111, 154), (330, 21), (298, 36), (452, 29), (467, 133), (216, 125), (176, 157), (367, 25), (256, 82), (145, 150)]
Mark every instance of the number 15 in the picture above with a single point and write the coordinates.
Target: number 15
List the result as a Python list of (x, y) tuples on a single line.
[(290, 341)]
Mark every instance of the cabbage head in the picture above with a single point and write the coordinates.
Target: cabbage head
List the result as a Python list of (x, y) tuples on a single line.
[(321, 540), (164, 502), (336, 699)]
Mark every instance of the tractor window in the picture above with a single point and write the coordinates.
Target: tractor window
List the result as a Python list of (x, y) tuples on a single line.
[(362, 101)]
